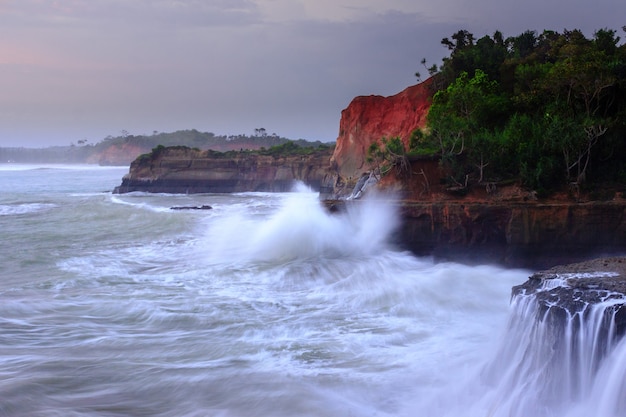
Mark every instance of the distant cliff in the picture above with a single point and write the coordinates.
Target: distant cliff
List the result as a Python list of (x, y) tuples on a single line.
[(122, 150), (184, 170)]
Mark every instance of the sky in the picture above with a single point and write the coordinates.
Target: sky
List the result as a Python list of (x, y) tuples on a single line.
[(80, 70)]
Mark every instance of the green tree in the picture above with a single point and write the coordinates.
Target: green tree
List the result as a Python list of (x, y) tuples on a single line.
[(546, 108), (583, 84), (463, 118), (389, 154)]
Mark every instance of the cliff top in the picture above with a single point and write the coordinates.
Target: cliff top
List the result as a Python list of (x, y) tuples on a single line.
[(604, 273), (580, 283)]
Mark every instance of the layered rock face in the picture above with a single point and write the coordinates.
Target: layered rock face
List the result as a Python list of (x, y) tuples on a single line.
[(515, 234), (370, 118), (184, 170), (489, 224), (501, 224)]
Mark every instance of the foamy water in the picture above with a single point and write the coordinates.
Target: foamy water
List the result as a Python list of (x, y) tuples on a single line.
[(266, 305)]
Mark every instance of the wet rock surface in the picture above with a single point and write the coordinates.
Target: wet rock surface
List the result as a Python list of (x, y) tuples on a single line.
[(577, 290), (603, 274), (520, 235)]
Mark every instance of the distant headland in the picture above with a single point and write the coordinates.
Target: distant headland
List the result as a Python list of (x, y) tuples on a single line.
[(123, 149)]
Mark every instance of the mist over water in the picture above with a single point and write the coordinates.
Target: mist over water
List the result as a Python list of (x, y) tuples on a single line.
[(266, 305)]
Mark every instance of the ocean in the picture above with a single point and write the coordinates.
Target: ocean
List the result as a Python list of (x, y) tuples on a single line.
[(265, 305)]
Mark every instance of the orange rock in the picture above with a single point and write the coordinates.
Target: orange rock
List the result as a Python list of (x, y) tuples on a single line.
[(370, 118)]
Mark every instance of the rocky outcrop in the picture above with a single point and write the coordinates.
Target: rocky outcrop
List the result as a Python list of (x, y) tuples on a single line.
[(496, 223), (186, 170), (579, 311), (370, 118), (564, 343), (576, 286), (501, 223)]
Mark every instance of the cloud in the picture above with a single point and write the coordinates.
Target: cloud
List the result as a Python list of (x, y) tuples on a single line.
[(90, 68), (292, 77), (136, 12)]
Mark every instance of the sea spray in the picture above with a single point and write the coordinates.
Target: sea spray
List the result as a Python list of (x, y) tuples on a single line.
[(302, 228)]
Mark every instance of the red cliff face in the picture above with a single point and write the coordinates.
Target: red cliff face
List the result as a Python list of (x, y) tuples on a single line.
[(369, 118)]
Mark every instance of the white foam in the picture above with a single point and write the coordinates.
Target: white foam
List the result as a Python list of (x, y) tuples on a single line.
[(587, 275), (26, 208), (143, 205), (561, 280), (302, 228)]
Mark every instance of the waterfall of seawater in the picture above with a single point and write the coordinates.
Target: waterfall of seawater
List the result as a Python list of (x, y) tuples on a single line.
[(552, 362)]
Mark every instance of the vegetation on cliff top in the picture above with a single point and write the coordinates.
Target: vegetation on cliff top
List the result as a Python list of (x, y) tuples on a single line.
[(548, 110), (290, 148), (207, 140)]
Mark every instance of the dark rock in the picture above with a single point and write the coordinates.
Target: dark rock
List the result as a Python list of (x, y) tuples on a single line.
[(203, 207), (563, 342), (564, 292), (528, 235)]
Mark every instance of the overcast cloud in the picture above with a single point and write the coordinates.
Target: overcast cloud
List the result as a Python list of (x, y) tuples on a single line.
[(85, 69)]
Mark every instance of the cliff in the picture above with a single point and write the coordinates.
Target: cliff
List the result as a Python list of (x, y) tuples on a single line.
[(117, 154), (500, 223), (370, 118), (522, 234), (186, 170)]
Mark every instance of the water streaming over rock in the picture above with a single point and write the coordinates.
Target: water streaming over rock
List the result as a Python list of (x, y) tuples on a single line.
[(561, 355)]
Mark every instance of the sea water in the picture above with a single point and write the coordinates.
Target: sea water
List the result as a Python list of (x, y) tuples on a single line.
[(265, 305)]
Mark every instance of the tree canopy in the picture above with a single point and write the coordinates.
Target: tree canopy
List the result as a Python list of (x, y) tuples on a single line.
[(548, 109)]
